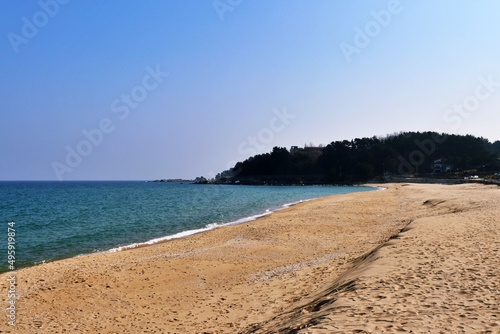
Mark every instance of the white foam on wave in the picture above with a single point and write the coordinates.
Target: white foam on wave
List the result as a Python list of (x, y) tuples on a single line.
[(168, 237), (208, 227), (287, 205)]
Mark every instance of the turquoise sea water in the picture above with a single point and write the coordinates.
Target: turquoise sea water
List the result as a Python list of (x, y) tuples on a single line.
[(55, 220)]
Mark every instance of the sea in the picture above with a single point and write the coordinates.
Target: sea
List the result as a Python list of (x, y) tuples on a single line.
[(45, 221)]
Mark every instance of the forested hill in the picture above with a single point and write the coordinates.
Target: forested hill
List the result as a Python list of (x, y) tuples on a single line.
[(428, 154)]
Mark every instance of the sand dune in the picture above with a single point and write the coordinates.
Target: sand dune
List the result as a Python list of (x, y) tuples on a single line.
[(412, 258)]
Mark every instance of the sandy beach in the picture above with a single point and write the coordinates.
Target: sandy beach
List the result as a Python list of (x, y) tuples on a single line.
[(413, 258)]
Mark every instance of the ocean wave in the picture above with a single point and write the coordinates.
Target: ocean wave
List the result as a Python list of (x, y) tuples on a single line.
[(207, 227)]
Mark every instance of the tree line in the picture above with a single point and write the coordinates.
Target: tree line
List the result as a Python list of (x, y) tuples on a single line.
[(364, 159)]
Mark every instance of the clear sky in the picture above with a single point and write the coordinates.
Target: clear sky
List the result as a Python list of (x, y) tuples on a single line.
[(139, 90)]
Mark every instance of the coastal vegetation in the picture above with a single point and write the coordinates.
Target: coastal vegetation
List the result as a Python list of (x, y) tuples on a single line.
[(407, 154)]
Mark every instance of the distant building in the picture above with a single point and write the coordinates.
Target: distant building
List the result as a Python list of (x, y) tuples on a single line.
[(439, 167), (312, 151)]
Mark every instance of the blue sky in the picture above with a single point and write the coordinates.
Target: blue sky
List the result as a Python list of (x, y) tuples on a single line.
[(138, 90)]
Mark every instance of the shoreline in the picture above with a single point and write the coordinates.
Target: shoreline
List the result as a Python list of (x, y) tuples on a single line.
[(180, 234), (242, 278), (243, 220), (209, 227)]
